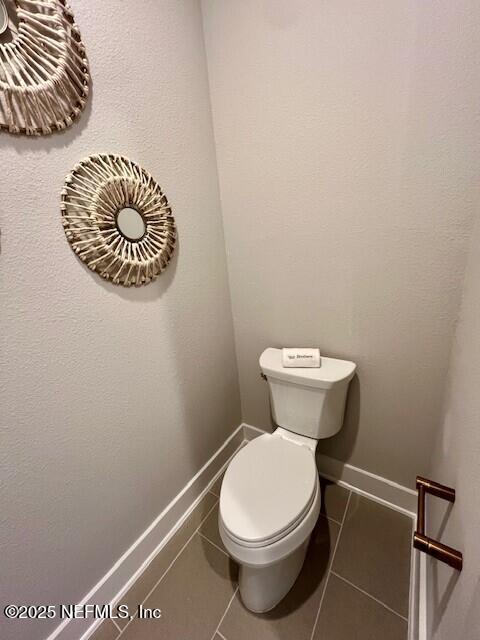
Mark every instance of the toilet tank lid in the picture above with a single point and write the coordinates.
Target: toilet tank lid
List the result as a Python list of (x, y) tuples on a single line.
[(330, 372)]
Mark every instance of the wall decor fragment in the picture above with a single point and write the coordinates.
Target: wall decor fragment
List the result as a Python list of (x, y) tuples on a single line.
[(3, 17), (44, 74), (118, 220)]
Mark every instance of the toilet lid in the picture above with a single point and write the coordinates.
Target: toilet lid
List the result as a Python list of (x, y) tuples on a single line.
[(268, 487)]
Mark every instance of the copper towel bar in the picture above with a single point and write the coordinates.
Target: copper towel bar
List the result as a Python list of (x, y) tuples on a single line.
[(422, 542)]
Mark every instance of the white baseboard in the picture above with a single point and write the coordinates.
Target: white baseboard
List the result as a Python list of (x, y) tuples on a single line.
[(422, 629), (417, 619), (135, 560), (375, 487), (249, 432)]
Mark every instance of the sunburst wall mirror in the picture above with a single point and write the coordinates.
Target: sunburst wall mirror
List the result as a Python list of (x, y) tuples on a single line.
[(118, 220), (44, 73)]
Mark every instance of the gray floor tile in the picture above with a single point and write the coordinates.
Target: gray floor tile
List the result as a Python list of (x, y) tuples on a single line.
[(294, 617), (374, 552), (210, 528), (106, 631), (348, 614), (215, 488), (334, 500), (193, 596), (139, 591)]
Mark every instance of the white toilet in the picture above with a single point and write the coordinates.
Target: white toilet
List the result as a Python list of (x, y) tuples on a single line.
[(270, 496)]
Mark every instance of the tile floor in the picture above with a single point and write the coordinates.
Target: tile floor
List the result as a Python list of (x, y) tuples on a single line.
[(354, 584)]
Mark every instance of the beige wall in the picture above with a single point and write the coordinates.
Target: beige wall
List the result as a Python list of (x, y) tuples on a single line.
[(348, 154), (454, 599), (112, 399)]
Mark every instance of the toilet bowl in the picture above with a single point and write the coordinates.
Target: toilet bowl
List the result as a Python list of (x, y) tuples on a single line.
[(270, 494), (269, 504)]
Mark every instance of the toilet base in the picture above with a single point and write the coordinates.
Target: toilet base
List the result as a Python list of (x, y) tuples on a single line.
[(262, 588)]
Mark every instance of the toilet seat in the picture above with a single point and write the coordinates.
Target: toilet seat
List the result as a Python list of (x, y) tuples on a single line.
[(268, 489)]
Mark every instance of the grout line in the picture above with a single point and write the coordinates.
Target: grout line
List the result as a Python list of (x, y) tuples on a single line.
[(369, 595), (224, 614), (330, 565), (169, 567), (207, 515), (213, 543), (324, 515), (214, 482), (369, 494), (116, 625), (217, 495)]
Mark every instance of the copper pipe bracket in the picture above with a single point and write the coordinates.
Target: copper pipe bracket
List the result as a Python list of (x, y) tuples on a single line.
[(436, 549)]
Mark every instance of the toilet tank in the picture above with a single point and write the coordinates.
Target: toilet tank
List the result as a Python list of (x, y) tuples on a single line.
[(308, 401)]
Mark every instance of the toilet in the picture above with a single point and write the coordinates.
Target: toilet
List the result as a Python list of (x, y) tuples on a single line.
[(270, 495)]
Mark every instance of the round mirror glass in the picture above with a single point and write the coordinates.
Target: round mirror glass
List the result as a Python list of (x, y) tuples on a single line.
[(131, 224), (3, 17)]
